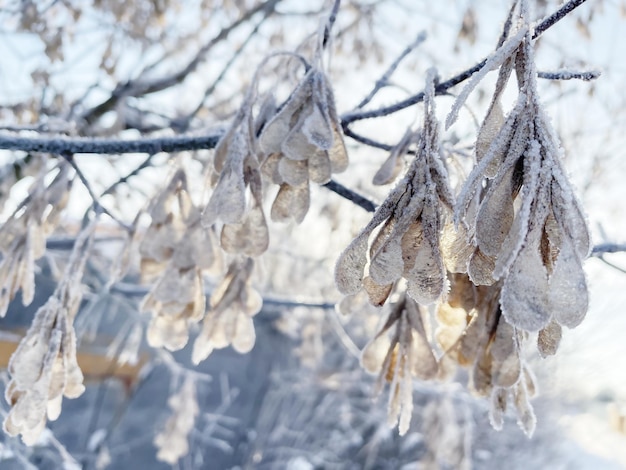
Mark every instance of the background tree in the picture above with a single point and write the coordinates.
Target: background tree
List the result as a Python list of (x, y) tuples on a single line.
[(190, 172)]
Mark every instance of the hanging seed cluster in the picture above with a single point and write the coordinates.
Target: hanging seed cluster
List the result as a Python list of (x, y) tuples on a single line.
[(43, 369), (407, 245), (175, 251), (23, 236), (229, 319), (397, 358), (303, 143), (510, 249), (537, 250), (172, 441)]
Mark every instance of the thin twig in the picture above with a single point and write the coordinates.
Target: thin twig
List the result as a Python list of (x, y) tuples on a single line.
[(138, 87), (343, 335), (603, 248), (383, 81), (183, 124), (135, 290), (567, 75), (331, 21), (350, 195), (366, 140), (557, 16), (145, 164), (97, 205)]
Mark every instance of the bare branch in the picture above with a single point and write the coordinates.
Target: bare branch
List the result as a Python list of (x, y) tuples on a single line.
[(139, 88), (183, 123), (135, 290), (350, 195), (331, 22), (98, 207), (603, 248), (384, 80)]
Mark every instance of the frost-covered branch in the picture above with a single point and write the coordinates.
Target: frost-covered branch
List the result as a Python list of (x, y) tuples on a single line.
[(569, 75), (557, 16), (443, 87), (63, 145)]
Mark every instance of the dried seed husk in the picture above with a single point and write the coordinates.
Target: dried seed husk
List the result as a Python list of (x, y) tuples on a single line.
[(374, 353), (495, 216), (393, 165), (423, 267), (525, 293), (377, 294), (228, 200), (291, 202), (504, 350), (549, 338), (317, 128), (498, 407), (455, 249), (386, 265), (319, 167), (570, 217), (244, 336), (480, 268), (270, 168), (452, 322), (249, 237), (337, 153), (526, 418), (489, 131), (296, 145), (293, 172), (277, 129), (568, 297)]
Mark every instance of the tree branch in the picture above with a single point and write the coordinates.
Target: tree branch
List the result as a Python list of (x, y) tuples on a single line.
[(61, 145), (443, 87), (97, 205), (384, 80), (140, 87), (350, 195), (556, 16), (567, 75), (603, 248)]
